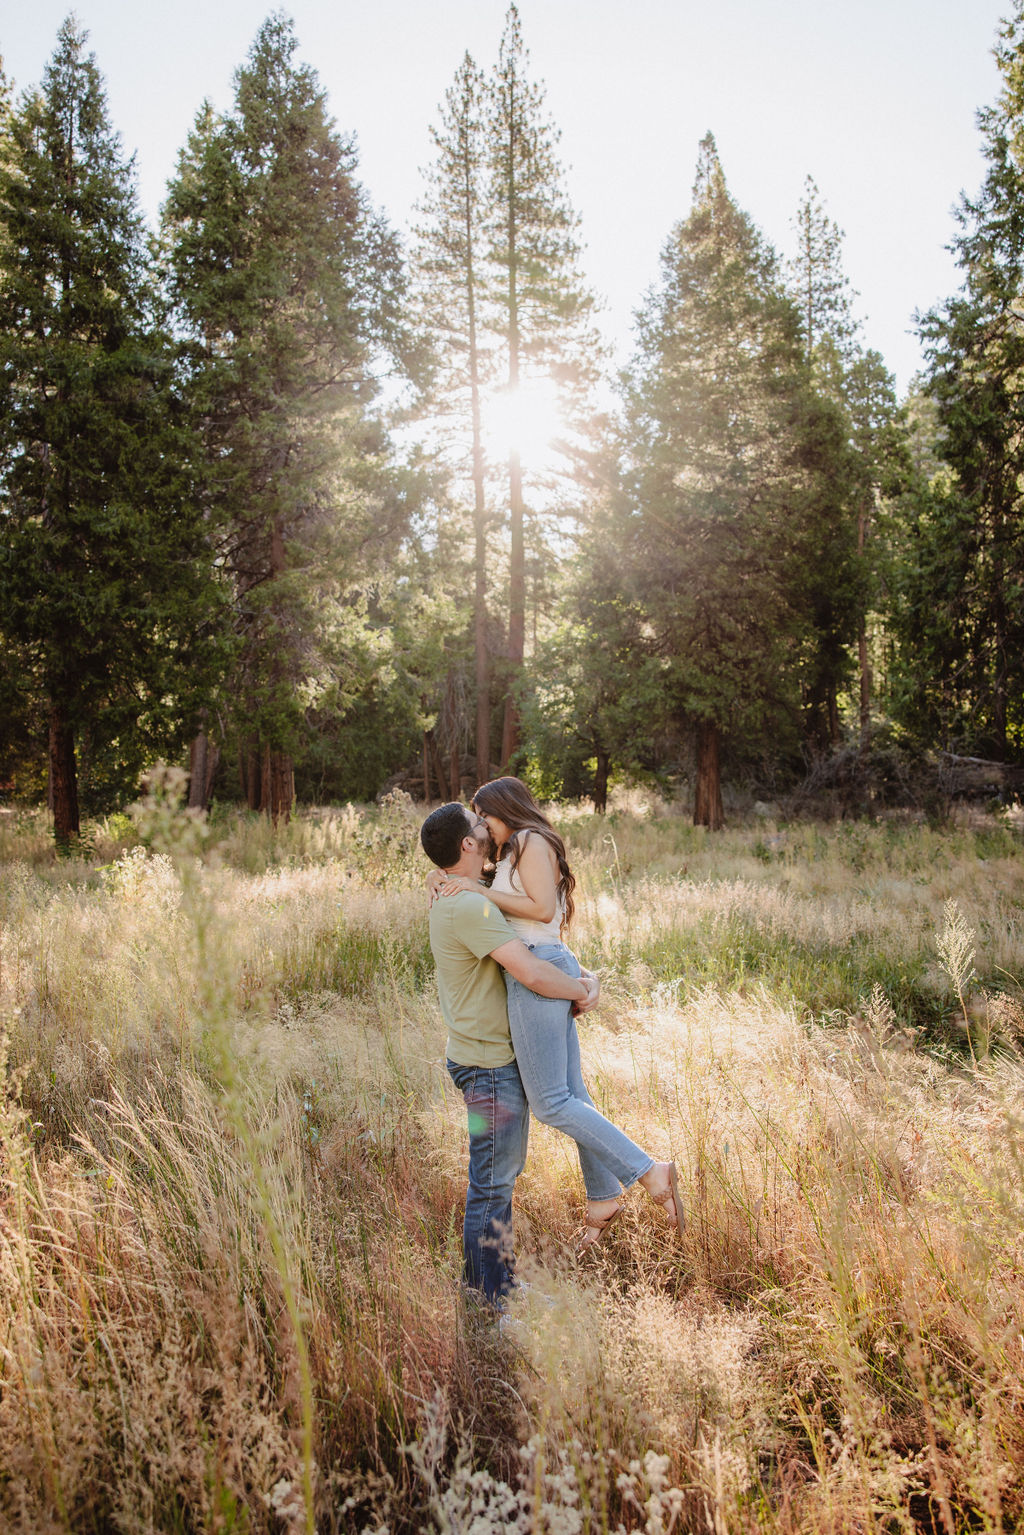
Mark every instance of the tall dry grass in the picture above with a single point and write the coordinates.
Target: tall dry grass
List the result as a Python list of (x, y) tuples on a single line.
[(231, 1172)]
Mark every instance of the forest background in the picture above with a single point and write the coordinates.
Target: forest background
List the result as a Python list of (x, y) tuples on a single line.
[(324, 506), (262, 515)]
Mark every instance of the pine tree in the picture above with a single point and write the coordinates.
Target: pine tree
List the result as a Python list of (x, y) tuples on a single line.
[(822, 290), (961, 613), (287, 282), (882, 473), (451, 300), (502, 300), (101, 556), (544, 307), (6, 106), (856, 382), (724, 480)]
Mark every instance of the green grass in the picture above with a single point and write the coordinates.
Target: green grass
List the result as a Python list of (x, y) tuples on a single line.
[(818, 979), (354, 962)]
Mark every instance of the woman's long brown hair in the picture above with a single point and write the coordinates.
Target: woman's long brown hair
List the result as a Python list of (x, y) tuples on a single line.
[(511, 801)]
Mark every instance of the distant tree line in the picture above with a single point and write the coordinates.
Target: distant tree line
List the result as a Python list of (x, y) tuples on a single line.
[(274, 497)]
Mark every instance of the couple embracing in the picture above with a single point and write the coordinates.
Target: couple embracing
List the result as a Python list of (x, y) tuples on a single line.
[(509, 991)]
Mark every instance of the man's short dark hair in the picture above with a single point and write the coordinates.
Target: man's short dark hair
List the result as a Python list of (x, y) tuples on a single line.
[(442, 832)]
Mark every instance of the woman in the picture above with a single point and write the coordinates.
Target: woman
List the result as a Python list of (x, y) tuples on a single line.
[(533, 886)]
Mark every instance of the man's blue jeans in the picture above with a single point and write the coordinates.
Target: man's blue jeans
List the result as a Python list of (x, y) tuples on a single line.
[(499, 1125)]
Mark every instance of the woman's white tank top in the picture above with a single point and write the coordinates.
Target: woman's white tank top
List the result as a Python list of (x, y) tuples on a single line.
[(525, 927)]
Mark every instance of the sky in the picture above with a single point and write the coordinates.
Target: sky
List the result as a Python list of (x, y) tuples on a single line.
[(876, 99)]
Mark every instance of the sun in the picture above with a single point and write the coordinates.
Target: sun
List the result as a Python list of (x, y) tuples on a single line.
[(527, 420)]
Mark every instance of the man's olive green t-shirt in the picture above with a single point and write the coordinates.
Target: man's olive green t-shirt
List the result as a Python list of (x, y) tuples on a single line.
[(464, 931)]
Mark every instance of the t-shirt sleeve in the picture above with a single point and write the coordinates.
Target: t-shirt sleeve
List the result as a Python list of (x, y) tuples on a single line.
[(480, 924)]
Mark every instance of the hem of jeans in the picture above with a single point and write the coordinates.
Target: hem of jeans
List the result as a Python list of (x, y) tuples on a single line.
[(476, 1295), (637, 1176), (626, 1179), (595, 1198)]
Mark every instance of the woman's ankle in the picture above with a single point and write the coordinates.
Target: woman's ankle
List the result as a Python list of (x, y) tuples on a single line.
[(656, 1177)]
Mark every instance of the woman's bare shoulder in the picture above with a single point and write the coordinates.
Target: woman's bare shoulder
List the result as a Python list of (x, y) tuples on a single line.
[(538, 845)]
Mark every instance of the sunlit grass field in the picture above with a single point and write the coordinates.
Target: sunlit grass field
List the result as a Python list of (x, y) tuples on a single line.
[(232, 1168)]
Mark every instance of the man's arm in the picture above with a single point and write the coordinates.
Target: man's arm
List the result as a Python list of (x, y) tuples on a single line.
[(544, 978)]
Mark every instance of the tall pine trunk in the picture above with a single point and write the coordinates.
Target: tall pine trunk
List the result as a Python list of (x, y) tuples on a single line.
[(483, 668), (274, 781), (864, 667), (999, 624), (517, 560), (265, 768), (277, 788), (835, 729), (516, 608), (63, 779), (863, 661), (543, 305), (707, 808), (430, 746), (203, 761), (481, 656), (454, 725), (455, 773), (282, 788), (601, 782), (249, 769), (426, 769)]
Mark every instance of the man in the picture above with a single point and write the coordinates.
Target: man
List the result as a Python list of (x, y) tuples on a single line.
[(472, 944)]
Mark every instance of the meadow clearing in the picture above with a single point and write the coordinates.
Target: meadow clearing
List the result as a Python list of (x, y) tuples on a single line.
[(231, 1172)]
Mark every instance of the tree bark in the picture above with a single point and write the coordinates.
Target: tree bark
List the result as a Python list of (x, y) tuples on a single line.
[(282, 788), (707, 808), (426, 769), (835, 733), (435, 762), (453, 714), (278, 775), (483, 670), (455, 773), (864, 664), (265, 766), (249, 765), (63, 779), (600, 795), (999, 627), (816, 719), (517, 557), (481, 657), (203, 760), (197, 753), (865, 687)]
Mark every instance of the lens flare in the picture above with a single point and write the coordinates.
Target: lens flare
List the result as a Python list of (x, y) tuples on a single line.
[(526, 420)]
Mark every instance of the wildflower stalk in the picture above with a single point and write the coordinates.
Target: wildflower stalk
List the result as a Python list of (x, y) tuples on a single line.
[(956, 955)]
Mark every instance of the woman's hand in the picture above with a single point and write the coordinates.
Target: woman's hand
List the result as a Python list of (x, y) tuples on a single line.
[(439, 883), (593, 985), (453, 883)]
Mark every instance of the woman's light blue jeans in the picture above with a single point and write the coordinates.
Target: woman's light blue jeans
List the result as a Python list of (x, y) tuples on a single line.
[(547, 1048)]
